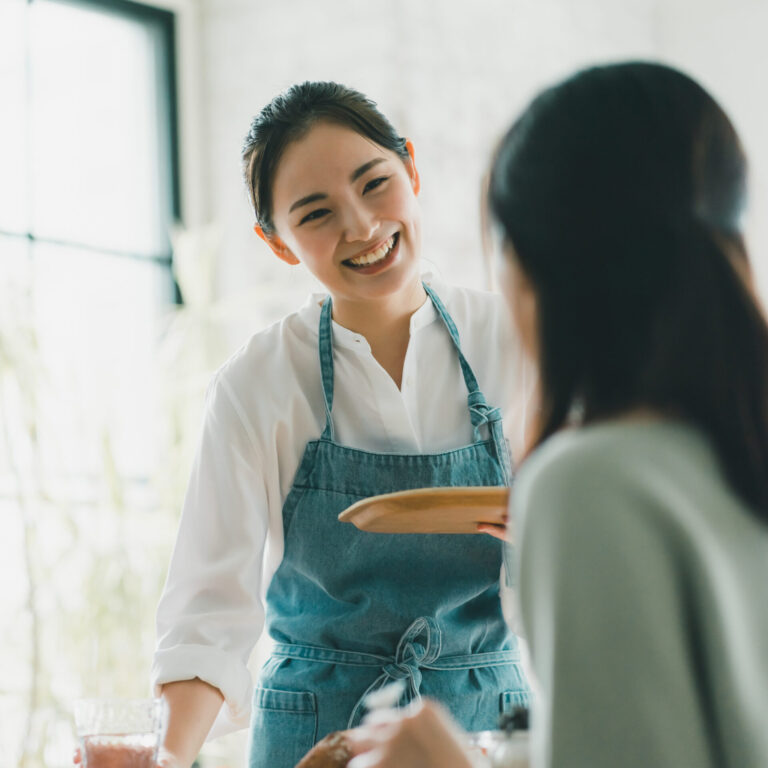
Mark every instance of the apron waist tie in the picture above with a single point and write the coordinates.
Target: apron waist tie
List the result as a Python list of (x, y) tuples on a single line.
[(418, 648)]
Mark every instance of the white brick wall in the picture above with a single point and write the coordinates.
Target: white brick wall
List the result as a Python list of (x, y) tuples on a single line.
[(723, 45), (450, 75)]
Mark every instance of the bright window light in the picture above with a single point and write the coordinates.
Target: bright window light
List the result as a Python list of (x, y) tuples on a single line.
[(87, 200)]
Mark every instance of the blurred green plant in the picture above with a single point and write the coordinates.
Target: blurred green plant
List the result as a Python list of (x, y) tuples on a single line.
[(79, 614)]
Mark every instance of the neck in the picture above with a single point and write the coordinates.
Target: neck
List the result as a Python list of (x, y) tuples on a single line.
[(385, 323), (368, 316)]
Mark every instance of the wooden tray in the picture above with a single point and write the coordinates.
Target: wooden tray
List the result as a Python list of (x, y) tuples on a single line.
[(430, 510)]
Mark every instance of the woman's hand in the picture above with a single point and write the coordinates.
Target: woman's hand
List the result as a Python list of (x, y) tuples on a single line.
[(497, 531), (421, 736), (164, 759)]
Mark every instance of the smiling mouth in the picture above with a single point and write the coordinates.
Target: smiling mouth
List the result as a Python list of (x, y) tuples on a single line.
[(374, 257)]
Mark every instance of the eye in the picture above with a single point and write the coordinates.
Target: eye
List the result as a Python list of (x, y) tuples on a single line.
[(318, 213), (373, 183)]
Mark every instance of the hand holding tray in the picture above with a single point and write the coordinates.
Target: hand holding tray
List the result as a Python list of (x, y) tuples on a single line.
[(430, 510)]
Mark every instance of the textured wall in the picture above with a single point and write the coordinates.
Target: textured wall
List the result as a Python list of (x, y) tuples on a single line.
[(450, 75), (723, 45)]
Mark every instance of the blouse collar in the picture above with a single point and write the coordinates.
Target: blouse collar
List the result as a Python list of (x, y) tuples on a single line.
[(425, 315)]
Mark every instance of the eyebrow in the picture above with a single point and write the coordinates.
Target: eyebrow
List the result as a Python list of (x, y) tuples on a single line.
[(354, 176), (307, 200)]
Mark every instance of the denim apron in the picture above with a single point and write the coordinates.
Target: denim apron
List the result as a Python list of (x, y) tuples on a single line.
[(351, 611)]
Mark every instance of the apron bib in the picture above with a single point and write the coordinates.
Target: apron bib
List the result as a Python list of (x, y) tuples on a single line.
[(351, 611)]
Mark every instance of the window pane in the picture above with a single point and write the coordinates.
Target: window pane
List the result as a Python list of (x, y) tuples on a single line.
[(13, 127), (97, 172), (16, 356), (98, 324)]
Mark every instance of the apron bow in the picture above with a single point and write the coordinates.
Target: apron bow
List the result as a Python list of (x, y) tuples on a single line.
[(409, 657)]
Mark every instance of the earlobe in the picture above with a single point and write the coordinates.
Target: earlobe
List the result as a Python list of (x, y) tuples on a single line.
[(412, 172), (278, 247)]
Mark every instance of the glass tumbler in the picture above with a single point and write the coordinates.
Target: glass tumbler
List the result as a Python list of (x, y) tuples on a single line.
[(119, 733)]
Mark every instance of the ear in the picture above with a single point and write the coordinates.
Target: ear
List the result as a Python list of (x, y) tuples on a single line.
[(412, 172), (279, 248)]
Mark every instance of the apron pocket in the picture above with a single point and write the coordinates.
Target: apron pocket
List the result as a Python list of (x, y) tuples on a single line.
[(283, 727), (511, 699)]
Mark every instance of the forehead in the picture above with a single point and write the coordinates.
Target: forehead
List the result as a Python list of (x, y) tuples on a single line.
[(321, 159)]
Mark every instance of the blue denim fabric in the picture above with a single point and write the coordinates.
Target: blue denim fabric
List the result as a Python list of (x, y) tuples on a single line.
[(351, 611)]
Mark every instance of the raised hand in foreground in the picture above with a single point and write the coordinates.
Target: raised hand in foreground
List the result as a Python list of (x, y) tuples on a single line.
[(419, 736)]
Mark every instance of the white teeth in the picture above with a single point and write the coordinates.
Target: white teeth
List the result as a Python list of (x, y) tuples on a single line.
[(371, 258)]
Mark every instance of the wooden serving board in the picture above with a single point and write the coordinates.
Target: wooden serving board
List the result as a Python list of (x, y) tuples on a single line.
[(430, 510)]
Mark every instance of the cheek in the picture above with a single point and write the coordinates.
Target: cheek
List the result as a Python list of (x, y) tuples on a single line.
[(402, 202), (310, 245), (525, 320), (521, 303), (524, 324)]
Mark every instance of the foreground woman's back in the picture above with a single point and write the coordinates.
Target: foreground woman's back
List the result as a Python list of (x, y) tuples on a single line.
[(644, 598)]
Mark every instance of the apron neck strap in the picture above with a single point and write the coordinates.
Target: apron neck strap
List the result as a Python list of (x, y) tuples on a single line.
[(325, 333), (480, 412), (466, 370)]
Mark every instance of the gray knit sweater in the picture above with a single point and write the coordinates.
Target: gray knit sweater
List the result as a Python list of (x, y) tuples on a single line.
[(644, 597)]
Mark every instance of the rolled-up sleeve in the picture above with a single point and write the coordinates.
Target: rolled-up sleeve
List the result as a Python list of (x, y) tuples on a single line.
[(210, 613)]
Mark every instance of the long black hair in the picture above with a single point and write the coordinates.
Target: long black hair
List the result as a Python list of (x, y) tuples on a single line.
[(289, 116), (621, 191)]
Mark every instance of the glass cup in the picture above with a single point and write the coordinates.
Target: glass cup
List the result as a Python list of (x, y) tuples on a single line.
[(119, 733), (481, 746)]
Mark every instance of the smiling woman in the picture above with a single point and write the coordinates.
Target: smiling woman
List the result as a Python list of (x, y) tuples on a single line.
[(336, 403), (360, 219)]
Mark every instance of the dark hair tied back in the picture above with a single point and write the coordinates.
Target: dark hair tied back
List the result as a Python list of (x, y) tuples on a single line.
[(621, 192), (289, 116)]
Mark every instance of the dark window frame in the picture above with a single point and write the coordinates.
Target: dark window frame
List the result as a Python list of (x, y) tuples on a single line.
[(164, 22)]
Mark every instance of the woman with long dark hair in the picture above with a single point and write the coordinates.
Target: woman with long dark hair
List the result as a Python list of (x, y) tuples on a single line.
[(336, 402), (642, 508)]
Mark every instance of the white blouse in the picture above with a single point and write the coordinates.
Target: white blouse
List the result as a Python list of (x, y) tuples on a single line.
[(262, 408)]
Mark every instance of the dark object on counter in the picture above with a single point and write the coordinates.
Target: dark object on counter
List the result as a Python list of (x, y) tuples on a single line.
[(330, 752), (516, 720), (513, 751)]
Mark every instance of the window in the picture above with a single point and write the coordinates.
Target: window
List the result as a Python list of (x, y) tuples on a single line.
[(88, 195)]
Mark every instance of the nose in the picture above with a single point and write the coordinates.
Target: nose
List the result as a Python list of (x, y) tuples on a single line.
[(360, 223)]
